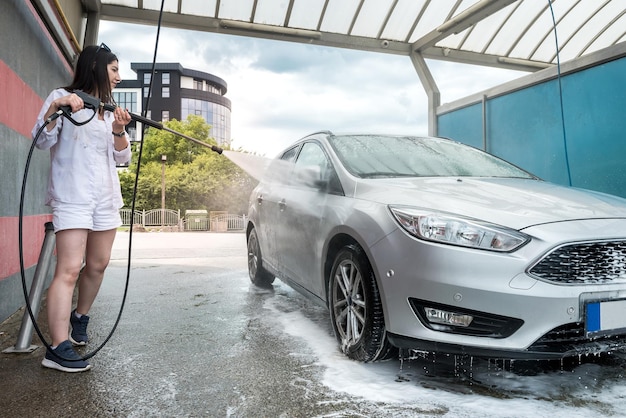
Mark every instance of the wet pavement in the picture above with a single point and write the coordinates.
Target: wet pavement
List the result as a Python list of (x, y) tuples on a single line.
[(196, 339), (189, 343)]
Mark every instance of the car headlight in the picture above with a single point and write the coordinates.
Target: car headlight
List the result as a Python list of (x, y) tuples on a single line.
[(457, 230)]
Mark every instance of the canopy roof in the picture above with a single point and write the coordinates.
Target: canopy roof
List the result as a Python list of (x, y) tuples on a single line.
[(514, 34)]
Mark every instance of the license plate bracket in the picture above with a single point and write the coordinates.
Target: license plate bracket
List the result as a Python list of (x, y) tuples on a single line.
[(605, 317)]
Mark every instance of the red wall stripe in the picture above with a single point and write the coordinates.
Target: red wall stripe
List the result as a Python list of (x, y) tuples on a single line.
[(33, 233), (19, 113)]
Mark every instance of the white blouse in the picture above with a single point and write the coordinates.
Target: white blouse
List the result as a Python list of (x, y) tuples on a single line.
[(81, 156)]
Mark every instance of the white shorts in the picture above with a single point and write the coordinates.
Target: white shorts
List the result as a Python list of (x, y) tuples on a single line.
[(94, 217)]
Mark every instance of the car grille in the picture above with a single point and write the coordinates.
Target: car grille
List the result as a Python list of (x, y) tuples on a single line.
[(584, 263), (571, 338)]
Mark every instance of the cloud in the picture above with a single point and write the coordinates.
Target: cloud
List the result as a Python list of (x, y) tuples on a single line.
[(282, 91)]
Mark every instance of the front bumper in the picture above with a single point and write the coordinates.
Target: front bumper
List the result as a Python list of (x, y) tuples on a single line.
[(544, 320)]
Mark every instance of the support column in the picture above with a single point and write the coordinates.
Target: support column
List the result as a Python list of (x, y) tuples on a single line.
[(25, 334), (428, 82)]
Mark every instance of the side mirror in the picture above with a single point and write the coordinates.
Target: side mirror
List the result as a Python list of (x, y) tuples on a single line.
[(310, 176)]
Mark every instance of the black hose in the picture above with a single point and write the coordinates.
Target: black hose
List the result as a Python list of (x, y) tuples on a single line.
[(21, 253)]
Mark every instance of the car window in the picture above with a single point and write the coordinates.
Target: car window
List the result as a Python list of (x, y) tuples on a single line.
[(279, 169), (312, 155), (314, 159), (372, 156), (289, 155)]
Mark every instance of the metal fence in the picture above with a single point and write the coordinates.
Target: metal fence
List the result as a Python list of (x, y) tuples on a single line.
[(228, 222), (171, 219), (154, 217)]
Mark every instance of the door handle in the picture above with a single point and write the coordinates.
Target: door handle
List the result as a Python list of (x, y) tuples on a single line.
[(282, 205), (259, 199)]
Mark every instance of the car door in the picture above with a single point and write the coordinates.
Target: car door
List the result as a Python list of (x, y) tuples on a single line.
[(266, 200), (303, 216)]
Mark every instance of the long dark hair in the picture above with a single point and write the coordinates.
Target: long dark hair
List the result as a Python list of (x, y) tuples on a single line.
[(91, 75)]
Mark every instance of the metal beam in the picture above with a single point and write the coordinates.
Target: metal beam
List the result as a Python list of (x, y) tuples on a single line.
[(241, 28), (477, 58), (50, 15), (460, 22), (269, 29), (432, 91)]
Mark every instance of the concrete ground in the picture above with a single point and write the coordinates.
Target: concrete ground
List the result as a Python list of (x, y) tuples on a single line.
[(196, 339), (190, 342)]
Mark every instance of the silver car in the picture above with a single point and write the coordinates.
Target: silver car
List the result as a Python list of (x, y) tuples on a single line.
[(429, 244)]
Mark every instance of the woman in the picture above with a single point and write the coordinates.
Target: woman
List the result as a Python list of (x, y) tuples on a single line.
[(84, 193)]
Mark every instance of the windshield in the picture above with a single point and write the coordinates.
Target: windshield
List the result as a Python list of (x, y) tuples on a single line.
[(378, 156)]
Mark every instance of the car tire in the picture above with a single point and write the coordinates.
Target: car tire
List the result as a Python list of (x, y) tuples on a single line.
[(258, 275), (356, 309)]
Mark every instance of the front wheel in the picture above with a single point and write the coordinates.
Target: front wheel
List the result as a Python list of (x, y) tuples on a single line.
[(258, 275), (356, 310)]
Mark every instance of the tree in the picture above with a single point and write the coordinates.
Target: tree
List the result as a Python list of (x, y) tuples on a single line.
[(159, 142), (195, 176)]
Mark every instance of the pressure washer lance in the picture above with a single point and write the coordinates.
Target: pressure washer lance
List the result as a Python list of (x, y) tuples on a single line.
[(94, 103)]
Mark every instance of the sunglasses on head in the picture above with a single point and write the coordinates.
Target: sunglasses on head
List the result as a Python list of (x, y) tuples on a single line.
[(103, 46)]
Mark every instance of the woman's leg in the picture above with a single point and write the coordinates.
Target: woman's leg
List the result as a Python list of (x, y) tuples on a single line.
[(97, 256), (70, 245)]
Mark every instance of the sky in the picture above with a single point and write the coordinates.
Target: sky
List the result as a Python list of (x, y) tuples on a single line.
[(282, 91)]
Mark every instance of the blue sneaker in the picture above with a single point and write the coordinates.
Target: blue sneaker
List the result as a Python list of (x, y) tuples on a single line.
[(65, 359), (78, 335)]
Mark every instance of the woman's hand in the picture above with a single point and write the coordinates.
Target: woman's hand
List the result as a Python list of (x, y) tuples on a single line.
[(121, 118), (74, 102)]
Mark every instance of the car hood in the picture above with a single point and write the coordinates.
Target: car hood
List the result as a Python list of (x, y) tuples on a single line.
[(516, 203)]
